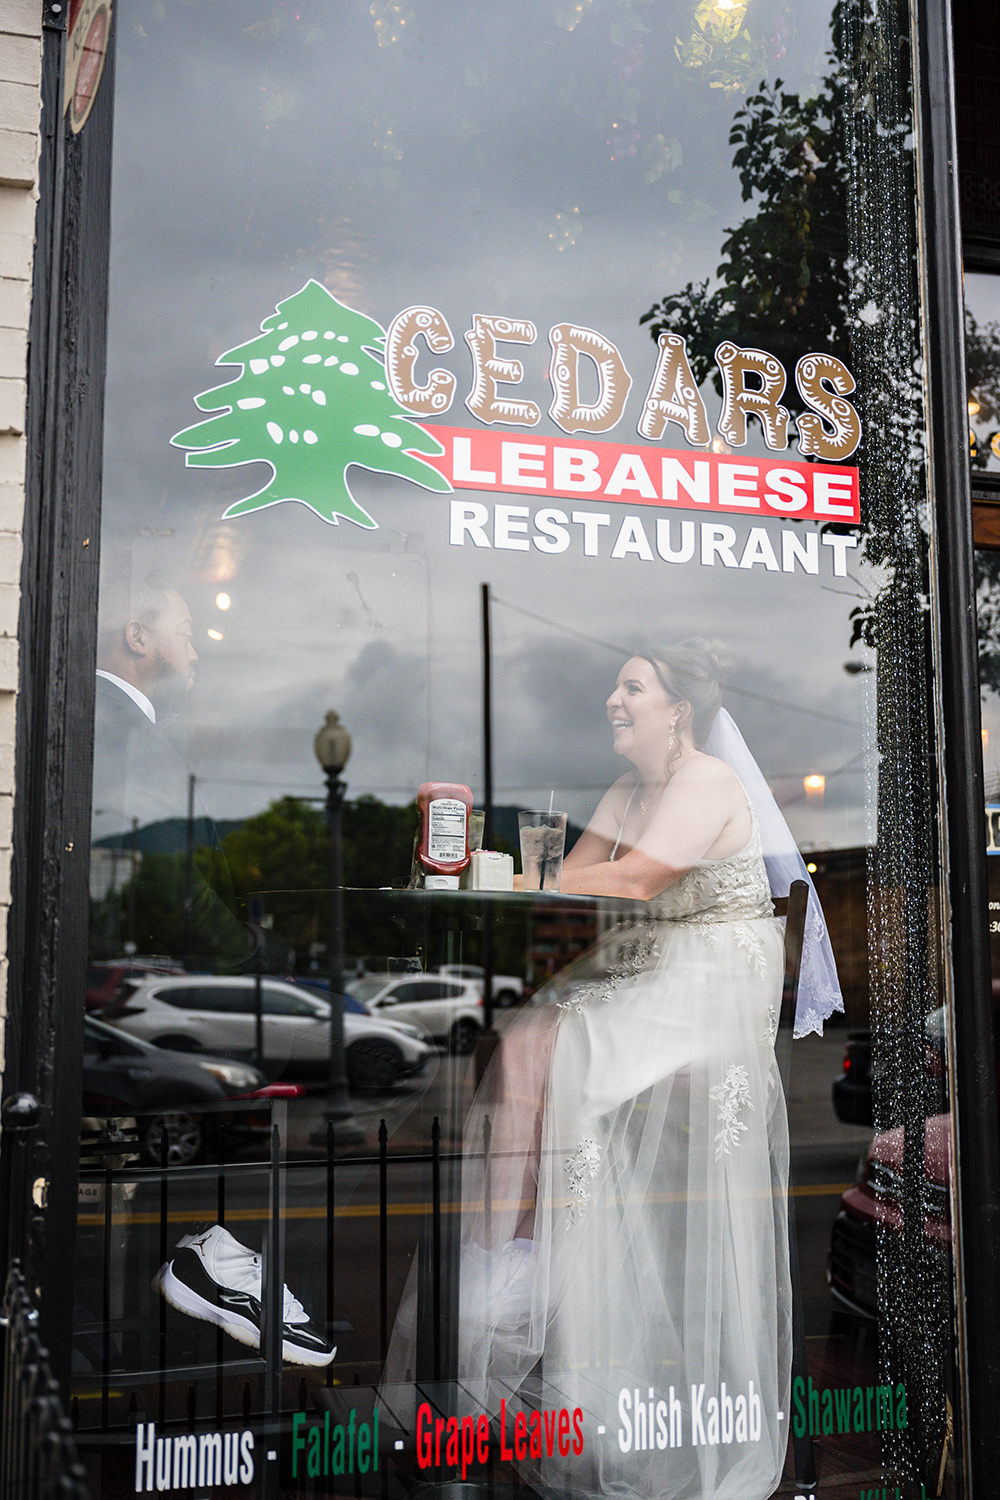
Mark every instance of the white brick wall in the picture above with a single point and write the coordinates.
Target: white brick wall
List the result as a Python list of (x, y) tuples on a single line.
[(20, 81)]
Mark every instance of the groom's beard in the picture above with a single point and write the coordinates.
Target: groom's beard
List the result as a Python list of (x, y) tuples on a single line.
[(169, 692)]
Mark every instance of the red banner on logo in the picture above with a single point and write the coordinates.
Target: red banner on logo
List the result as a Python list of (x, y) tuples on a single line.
[(484, 459)]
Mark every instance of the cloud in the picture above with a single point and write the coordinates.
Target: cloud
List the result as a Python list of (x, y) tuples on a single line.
[(385, 627)]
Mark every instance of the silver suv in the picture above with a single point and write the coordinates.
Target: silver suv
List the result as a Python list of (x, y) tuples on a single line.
[(507, 988), (451, 1009), (201, 1012)]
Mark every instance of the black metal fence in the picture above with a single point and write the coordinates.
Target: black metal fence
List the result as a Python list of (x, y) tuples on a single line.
[(139, 1361), (141, 1368), (38, 1453)]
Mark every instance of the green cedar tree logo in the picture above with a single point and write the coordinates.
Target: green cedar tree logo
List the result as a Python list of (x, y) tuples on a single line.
[(312, 400)]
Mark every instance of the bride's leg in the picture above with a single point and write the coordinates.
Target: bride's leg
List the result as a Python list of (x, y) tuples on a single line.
[(512, 1095), (525, 1227)]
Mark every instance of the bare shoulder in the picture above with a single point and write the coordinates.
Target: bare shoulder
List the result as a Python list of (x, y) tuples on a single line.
[(616, 798), (623, 788), (705, 773), (605, 823)]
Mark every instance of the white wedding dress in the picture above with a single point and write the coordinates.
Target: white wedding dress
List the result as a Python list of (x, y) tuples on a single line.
[(639, 1109)]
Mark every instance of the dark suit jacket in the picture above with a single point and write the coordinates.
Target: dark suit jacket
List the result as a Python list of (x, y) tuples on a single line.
[(140, 779)]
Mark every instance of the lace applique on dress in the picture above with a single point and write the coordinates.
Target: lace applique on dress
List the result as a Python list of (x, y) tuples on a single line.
[(752, 943), (636, 957), (770, 1031), (731, 890), (732, 1095), (581, 1168)]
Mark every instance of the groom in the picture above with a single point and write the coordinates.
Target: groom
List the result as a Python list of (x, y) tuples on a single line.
[(146, 650), (145, 670)]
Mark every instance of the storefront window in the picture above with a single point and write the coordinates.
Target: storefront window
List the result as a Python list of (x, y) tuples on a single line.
[(982, 352), (464, 361), (987, 600)]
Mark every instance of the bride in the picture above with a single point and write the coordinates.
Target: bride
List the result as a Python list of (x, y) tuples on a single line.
[(624, 1238)]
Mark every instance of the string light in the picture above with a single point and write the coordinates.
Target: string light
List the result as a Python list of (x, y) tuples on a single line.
[(391, 17)]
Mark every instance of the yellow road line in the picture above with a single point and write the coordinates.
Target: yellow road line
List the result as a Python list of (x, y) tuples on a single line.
[(397, 1210)]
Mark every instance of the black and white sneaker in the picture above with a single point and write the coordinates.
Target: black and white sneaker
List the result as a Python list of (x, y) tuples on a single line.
[(215, 1278)]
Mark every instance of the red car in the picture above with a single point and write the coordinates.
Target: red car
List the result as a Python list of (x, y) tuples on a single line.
[(105, 979), (875, 1198)]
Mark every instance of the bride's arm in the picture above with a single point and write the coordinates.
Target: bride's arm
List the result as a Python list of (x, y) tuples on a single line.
[(696, 807), (633, 876), (598, 838)]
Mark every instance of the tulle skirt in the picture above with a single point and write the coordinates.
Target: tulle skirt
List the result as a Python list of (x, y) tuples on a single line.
[(630, 1136)]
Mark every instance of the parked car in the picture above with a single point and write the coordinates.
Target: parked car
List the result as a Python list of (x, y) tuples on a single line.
[(105, 977), (124, 1077), (387, 964), (208, 1013), (450, 1009), (875, 1198), (852, 1091), (507, 988), (321, 987)]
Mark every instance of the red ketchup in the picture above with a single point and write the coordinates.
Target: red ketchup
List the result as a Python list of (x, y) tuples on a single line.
[(443, 847)]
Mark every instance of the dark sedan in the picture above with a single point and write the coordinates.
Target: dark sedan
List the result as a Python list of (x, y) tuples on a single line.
[(162, 1092), (852, 1091)]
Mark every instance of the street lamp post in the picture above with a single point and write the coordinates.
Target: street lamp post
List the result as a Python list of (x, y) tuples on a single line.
[(333, 747)]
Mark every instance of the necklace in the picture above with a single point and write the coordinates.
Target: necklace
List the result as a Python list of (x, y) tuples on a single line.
[(645, 803)]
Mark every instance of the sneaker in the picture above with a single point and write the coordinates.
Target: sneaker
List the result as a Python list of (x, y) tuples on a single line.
[(216, 1279)]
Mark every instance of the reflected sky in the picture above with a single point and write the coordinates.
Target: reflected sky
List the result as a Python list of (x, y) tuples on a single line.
[(497, 160)]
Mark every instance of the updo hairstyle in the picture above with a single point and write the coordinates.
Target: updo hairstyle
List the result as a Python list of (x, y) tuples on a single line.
[(693, 671)]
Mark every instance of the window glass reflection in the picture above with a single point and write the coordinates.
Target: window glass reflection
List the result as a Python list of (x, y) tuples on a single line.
[(557, 325)]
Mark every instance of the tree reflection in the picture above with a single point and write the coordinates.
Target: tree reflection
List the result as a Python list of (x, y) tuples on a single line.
[(784, 280), (785, 271), (982, 367)]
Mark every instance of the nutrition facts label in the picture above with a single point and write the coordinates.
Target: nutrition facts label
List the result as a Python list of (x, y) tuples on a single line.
[(446, 830)]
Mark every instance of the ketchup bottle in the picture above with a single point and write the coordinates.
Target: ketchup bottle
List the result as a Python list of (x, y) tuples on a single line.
[(443, 845)]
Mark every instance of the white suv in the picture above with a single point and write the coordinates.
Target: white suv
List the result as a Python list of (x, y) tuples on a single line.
[(200, 1012), (507, 988), (450, 1009)]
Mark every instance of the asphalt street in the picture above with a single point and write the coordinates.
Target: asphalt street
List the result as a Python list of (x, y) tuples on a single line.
[(824, 1157)]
